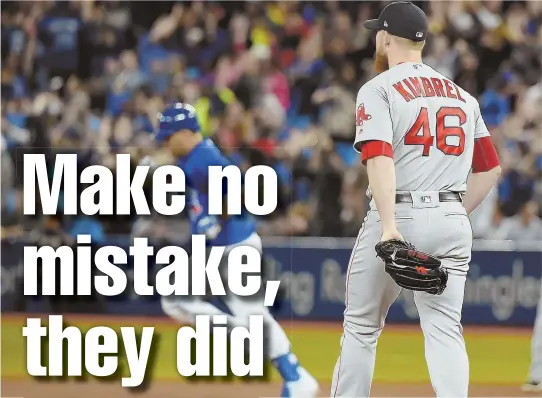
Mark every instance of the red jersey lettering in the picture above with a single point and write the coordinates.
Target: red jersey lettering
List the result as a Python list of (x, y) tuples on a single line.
[(401, 90), (439, 87), (429, 91), (449, 88)]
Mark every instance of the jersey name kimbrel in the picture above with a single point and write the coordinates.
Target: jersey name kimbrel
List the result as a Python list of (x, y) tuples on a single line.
[(429, 121)]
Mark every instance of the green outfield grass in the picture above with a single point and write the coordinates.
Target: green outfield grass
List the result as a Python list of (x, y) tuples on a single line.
[(496, 357)]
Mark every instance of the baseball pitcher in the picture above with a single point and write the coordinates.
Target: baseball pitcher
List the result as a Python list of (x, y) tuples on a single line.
[(420, 136)]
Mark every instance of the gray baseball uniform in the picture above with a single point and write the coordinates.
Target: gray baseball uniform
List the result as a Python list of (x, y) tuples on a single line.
[(431, 124)]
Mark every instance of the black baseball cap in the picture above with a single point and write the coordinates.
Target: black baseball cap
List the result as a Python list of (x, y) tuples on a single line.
[(401, 19)]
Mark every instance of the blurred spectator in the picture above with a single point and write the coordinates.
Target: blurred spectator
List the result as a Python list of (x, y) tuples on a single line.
[(354, 201), (486, 216), (12, 216), (58, 29), (7, 169), (442, 57), (335, 103), (498, 227), (527, 225), (85, 225), (495, 103)]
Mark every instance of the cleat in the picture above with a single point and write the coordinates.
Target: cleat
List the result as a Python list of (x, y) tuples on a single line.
[(305, 387), (532, 386)]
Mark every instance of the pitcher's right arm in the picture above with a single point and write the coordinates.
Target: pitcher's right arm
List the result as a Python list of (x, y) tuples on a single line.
[(374, 139)]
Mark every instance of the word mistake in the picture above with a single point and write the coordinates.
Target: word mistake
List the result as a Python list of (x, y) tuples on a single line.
[(183, 276)]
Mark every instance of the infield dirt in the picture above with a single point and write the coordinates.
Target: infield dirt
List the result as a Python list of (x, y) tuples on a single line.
[(34, 389)]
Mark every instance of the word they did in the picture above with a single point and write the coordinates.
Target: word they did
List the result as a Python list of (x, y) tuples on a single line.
[(54, 349)]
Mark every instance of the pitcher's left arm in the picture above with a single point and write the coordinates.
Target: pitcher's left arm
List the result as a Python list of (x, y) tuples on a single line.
[(486, 168)]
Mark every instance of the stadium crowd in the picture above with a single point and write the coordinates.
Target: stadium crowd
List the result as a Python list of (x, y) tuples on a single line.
[(273, 82)]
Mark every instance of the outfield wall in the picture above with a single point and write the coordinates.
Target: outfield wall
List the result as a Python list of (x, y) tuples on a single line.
[(503, 286)]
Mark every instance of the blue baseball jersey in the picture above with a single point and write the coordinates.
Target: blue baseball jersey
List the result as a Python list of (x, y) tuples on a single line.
[(236, 228)]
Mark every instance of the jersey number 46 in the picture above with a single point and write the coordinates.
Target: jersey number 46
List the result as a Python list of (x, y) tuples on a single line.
[(420, 132)]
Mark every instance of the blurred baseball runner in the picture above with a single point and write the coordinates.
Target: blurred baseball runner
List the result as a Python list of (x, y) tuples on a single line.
[(179, 131), (420, 135)]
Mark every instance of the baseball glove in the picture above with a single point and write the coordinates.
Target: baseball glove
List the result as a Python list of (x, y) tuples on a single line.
[(412, 269)]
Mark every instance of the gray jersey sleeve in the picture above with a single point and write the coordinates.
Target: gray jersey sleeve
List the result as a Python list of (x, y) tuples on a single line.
[(480, 128), (373, 118)]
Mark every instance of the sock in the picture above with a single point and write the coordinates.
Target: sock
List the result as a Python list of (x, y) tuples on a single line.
[(287, 366)]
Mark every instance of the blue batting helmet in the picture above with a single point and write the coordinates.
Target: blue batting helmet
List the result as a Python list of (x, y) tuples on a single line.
[(176, 117)]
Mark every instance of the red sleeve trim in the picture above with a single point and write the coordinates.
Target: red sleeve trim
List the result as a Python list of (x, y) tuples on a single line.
[(484, 157), (372, 149)]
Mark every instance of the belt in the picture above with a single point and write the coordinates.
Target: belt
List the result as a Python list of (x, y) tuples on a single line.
[(442, 196)]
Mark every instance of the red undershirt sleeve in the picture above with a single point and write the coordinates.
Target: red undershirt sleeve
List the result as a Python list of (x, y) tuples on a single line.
[(484, 157), (374, 148)]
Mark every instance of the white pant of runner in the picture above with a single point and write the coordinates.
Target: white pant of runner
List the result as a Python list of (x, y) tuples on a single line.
[(185, 309)]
